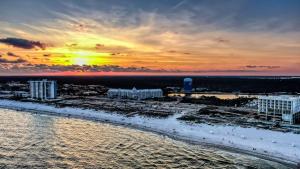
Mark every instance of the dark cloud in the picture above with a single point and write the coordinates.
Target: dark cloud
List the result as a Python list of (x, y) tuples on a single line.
[(115, 54), (28, 67), (11, 54), (215, 71), (23, 43), (47, 55), (174, 51), (72, 45), (149, 41), (222, 40), (261, 67), (95, 68), (98, 46), (12, 61), (34, 68), (82, 27)]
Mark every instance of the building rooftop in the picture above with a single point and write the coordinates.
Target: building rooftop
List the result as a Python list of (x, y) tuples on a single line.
[(188, 79), (44, 80), (281, 97)]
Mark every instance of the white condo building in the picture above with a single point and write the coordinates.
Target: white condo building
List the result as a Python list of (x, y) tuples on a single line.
[(285, 107), (43, 89), (134, 93)]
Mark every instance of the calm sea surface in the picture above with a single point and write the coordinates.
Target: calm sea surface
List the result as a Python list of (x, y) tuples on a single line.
[(41, 141)]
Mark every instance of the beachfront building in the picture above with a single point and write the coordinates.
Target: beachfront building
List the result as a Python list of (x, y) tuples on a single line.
[(284, 107), (21, 94), (43, 89), (134, 93)]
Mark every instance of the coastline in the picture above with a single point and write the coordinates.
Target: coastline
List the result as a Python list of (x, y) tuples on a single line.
[(202, 134)]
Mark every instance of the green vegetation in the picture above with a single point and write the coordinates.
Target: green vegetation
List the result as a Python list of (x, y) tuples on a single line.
[(212, 100)]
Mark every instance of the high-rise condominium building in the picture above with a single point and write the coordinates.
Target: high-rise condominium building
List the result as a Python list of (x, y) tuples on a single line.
[(284, 107), (43, 89)]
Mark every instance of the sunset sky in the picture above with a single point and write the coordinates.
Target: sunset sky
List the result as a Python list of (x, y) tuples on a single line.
[(149, 37)]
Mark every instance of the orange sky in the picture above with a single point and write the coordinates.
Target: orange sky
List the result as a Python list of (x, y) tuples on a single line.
[(158, 44)]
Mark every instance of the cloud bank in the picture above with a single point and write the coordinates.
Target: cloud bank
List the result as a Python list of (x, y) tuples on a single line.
[(2, 60), (23, 43)]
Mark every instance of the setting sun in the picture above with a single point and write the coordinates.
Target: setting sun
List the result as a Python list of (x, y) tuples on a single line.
[(87, 58), (80, 61), (66, 56)]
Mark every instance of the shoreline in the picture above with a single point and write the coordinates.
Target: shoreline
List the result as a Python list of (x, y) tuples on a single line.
[(182, 133)]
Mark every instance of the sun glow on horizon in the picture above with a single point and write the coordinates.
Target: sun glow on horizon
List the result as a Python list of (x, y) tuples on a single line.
[(79, 57)]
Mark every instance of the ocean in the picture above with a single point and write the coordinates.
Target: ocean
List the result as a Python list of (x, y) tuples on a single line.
[(32, 140)]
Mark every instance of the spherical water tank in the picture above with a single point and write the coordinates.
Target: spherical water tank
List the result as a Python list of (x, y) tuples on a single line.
[(187, 85)]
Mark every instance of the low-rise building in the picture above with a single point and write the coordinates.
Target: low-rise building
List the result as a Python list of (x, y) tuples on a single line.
[(134, 93), (284, 107), (43, 89), (21, 94), (6, 92)]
